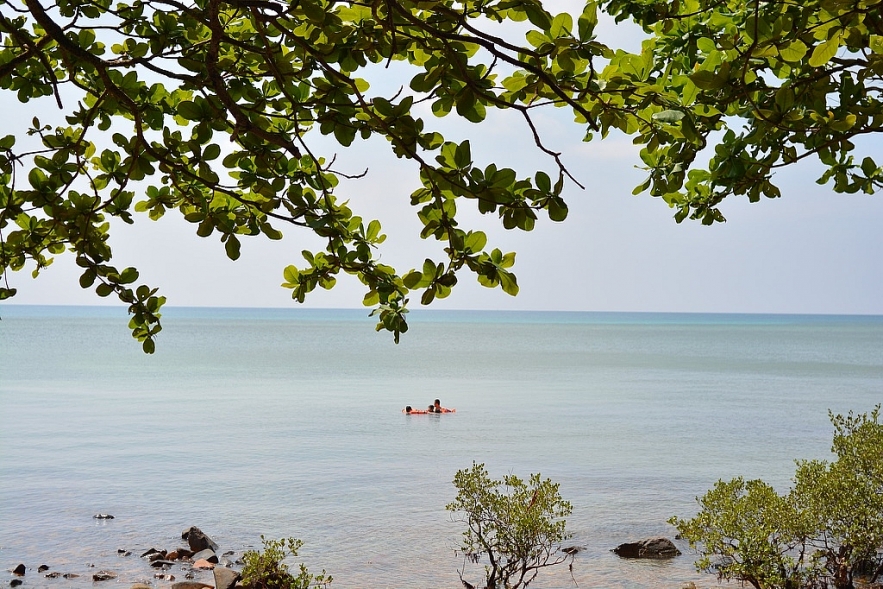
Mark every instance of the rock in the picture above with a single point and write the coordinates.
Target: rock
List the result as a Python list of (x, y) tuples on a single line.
[(198, 540), (229, 553), (225, 578), (140, 586), (203, 564), (184, 553), (573, 550), (102, 516), (206, 554), (70, 575), (19, 570), (42, 567), (15, 583), (173, 555), (149, 552), (158, 555), (104, 576), (53, 575), (649, 548), (164, 577), (190, 585), (166, 564)]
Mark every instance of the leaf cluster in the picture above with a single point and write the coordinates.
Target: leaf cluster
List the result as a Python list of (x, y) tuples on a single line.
[(211, 108)]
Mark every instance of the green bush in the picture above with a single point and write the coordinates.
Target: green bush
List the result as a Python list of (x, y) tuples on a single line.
[(266, 570), (825, 532), (517, 525)]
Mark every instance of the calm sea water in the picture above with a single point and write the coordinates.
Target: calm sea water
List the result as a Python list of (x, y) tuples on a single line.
[(289, 423)]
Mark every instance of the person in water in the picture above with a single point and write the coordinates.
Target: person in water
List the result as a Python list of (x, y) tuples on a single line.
[(407, 409), (431, 409)]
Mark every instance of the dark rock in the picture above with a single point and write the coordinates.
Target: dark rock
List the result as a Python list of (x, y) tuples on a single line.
[(198, 540), (164, 576), (162, 563), (149, 552), (184, 553), (190, 585), (53, 575), (104, 576), (102, 516), (173, 555), (229, 553), (19, 570), (42, 567), (225, 578), (188, 575), (206, 554), (160, 555), (70, 575), (649, 548), (15, 583)]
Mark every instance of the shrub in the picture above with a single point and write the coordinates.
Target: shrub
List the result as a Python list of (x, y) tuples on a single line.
[(266, 570), (824, 533), (517, 525)]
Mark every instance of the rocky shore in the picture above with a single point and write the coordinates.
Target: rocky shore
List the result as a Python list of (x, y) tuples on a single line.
[(183, 567), (198, 563)]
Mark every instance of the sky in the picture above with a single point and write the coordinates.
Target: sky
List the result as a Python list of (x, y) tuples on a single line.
[(811, 251)]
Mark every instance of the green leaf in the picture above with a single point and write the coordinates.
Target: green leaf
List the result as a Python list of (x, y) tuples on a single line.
[(190, 111), (562, 26), (794, 51), (668, 116), (823, 53), (232, 246)]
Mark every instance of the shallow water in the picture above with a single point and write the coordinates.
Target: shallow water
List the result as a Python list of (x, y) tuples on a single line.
[(289, 423)]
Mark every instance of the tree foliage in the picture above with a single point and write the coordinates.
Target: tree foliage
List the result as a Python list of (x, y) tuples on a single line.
[(211, 108), (825, 532), (267, 569), (516, 525)]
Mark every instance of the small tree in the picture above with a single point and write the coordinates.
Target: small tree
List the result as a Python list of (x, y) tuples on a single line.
[(823, 533), (748, 532), (517, 525), (266, 570), (844, 500)]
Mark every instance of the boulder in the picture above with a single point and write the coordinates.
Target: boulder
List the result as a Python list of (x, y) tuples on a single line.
[(19, 570), (42, 567), (206, 554), (203, 564), (165, 564), (104, 576), (15, 583), (190, 585), (198, 540), (649, 548), (225, 578)]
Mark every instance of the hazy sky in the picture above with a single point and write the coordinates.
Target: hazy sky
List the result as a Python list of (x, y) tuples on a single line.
[(812, 251)]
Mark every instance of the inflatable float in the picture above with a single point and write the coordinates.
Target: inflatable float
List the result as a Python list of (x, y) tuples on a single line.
[(427, 411)]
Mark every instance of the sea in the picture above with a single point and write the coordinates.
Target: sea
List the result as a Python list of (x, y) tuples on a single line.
[(288, 423)]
